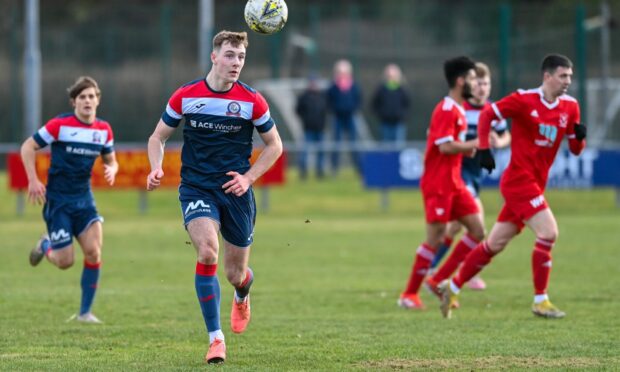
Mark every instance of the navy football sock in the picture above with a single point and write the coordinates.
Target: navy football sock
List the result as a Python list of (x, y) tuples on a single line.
[(208, 292), (89, 283)]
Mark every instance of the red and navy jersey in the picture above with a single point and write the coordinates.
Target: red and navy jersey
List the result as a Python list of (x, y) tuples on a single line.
[(218, 130), (75, 146), (538, 127), (442, 172)]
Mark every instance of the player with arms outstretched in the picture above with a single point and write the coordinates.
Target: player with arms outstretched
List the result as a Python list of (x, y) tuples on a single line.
[(472, 175), (445, 196), (76, 140), (216, 196), (541, 118)]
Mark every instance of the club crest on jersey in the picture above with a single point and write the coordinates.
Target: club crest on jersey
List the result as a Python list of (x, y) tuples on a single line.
[(96, 137), (563, 120), (233, 109)]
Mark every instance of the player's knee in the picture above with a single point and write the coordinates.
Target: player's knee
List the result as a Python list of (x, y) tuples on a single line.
[(93, 257), (550, 235), (64, 263), (207, 253), (477, 232), (496, 245)]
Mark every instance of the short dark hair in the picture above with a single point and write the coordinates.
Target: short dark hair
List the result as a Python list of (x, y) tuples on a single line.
[(553, 61), (83, 82), (234, 38), (457, 67)]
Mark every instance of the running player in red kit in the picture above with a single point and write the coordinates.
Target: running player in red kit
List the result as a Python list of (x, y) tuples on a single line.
[(445, 195), (541, 117)]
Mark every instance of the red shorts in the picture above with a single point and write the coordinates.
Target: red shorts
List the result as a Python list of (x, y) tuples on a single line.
[(448, 207), (518, 210)]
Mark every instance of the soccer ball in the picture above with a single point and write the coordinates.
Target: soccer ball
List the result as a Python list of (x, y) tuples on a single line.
[(266, 16)]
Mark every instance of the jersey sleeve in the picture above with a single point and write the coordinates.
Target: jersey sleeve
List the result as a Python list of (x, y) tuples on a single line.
[(442, 127), (174, 109), (108, 147), (575, 146), (47, 133), (261, 118), (575, 119), (508, 107)]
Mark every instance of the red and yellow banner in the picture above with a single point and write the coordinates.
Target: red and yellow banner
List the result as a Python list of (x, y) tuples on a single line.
[(133, 169)]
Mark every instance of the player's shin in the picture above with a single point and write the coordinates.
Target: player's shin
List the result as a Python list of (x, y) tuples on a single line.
[(208, 292), (242, 291), (464, 246), (89, 283), (475, 261), (541, 265), (424, 257)]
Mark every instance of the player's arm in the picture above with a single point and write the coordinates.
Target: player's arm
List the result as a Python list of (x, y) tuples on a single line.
[(36, 189), (455, 147), (240, 183), (442, 132), (110, 167), (156, 144)]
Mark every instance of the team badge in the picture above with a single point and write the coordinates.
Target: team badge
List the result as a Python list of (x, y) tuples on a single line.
[(96, 137), (234, 109), (563, 120)]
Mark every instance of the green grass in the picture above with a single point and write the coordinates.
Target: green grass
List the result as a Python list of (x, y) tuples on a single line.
[(329, 266)]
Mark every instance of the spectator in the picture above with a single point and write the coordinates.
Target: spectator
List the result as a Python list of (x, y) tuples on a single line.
[(391, 104), (312, 109), (344, 98)]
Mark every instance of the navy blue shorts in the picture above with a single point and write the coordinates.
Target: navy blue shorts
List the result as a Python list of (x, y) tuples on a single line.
[(66, 219), (236, 215), (472, 182)]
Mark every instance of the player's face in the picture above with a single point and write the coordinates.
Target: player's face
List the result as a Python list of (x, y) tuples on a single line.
[(228, 62), (559, 81), (470, 84), (86, 103), (482, 93)]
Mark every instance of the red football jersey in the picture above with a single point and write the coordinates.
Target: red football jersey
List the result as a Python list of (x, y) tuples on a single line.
[(538, 128), (442, 172)]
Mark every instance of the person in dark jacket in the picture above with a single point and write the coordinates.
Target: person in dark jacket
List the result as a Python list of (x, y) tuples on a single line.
[(312, 110), (391, 105), (344, 98)]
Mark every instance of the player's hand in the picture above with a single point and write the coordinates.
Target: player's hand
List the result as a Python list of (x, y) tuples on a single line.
[(109, 173), (153, 180), (36, 192), (239, 184), (580, 131), (486, 159)]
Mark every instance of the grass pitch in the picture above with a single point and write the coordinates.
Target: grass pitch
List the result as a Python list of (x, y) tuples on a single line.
[(329, 266)]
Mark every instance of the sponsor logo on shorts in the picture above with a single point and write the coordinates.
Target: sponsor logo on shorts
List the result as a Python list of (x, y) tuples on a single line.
[(196, 207), (59, 236), (537, 201), (440, 211)]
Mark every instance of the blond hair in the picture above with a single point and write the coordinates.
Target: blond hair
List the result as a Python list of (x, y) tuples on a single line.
[(234, 38), (482, 70)]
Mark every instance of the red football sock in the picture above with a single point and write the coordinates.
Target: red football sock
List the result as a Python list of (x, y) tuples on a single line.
[(424, 257), (464, 246), (541, 265), (475, 261)]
